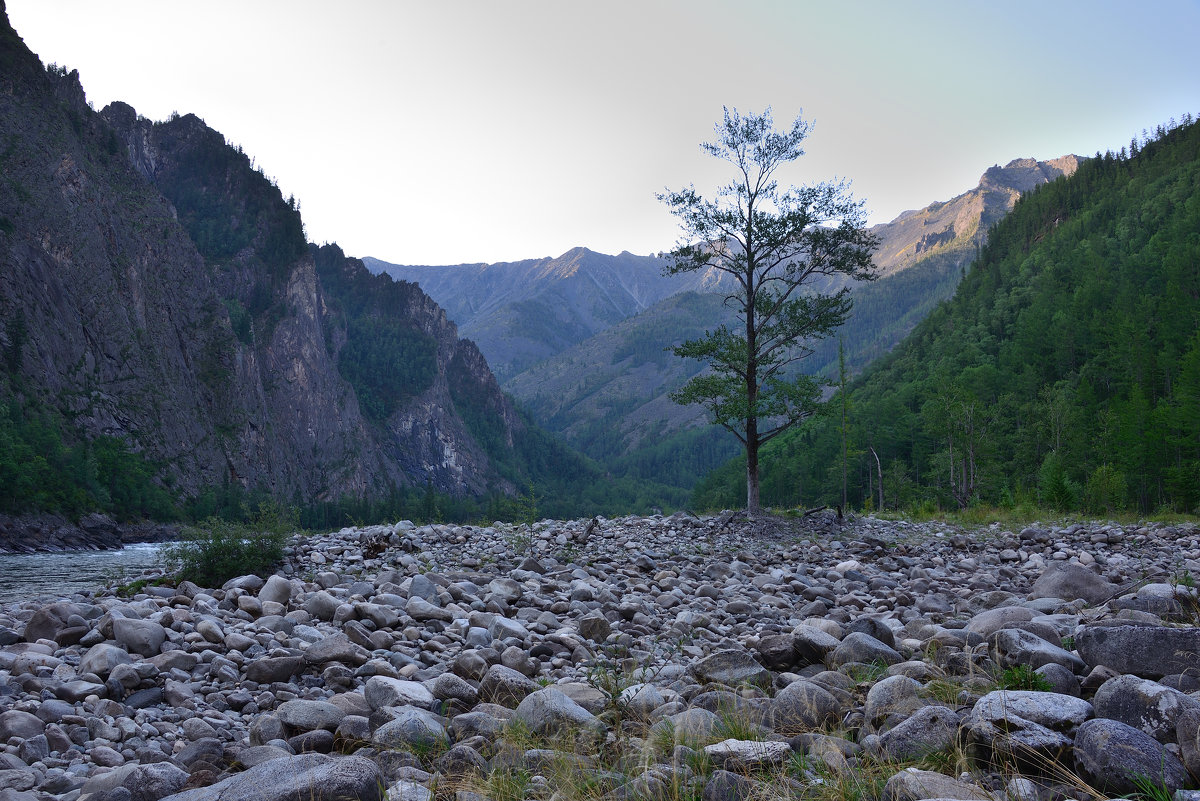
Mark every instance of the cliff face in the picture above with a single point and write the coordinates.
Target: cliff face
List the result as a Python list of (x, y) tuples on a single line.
[(957, 227), (166, 295)]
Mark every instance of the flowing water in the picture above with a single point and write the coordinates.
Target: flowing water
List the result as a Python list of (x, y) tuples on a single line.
[(58, 575)]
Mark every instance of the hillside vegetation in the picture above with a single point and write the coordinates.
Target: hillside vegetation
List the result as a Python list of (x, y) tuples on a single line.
[(1065, 370)]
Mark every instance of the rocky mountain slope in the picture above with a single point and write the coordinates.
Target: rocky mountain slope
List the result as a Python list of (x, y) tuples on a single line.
[(607, 394), (660, 657), (159, 290), (1065, 370), (522, 312)]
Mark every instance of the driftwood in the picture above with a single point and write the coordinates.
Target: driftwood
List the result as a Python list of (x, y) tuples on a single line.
[(817, 509)]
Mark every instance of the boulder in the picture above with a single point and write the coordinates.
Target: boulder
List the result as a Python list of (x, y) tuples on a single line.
[(505, 686), (930, 730), (1144, 704), (812, 645), (384, 691), (277, 590), (803, 706), (744, 756), (144, 782), (1026, 720), (550, 713), (336, 648), (1019, 647), (732, 668), (136, 636), (302, 715), (1146, 651), (1112, 755), (412, 729), (47, 622), (102, 658), (15, 723), (859, 646), (305, 777), (913, 784), (1069, 581)]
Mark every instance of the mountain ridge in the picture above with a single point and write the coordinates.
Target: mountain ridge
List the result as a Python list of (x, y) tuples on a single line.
[(159, 293)]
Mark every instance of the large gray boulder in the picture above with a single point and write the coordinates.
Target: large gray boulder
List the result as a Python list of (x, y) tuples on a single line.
[(384, 691), (732, 668), (144, 782), (306, 777), (505, 686), (47, 622), (1019, 647), (1026, 721), (1144, 704), (550, 713), (745, 756), (894, 695), (16, 723), (102, 658), (913, 784), (1112, 755), (803, 706), (1146, 651), (336, 648), (303, 715), (277, 589), (930, 730), (410, 729), (858, 646), (1069, 581), (812, 645), (136, 636)]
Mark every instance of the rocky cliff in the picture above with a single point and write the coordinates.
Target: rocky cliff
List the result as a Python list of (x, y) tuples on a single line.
[(164, 293)]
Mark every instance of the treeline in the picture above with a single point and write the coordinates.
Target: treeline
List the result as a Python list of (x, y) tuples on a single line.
[(40, 472), (1064, 372)]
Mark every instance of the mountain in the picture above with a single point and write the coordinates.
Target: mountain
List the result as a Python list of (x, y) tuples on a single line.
[(1065, 371), (922, 255), (167, 329), (520, 313), (607, 394)]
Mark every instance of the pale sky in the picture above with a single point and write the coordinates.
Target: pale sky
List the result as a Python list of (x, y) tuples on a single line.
[(443, 132)]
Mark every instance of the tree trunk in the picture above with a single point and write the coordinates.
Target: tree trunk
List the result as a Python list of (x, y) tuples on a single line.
[(752, 503)]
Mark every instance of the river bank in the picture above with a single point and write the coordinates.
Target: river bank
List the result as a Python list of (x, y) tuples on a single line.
[(93, 532), (675, 657)]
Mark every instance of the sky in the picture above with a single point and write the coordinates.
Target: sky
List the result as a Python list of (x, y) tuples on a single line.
[(458, 131)]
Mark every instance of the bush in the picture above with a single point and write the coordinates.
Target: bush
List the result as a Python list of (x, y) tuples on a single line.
[(1106, 490), (216, 550), (1058, 490)]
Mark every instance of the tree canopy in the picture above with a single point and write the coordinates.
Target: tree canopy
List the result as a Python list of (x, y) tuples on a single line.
[(790, 254)]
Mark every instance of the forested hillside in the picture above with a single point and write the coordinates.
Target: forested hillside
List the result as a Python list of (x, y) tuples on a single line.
[(1066, 369)]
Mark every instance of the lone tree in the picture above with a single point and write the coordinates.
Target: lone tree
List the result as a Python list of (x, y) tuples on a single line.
[(785, 252)]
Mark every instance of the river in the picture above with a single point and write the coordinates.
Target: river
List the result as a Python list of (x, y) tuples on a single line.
[(59, 574)]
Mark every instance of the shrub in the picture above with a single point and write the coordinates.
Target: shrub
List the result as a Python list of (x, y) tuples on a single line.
[(1106, 490), (1058, 490), (216, 550)]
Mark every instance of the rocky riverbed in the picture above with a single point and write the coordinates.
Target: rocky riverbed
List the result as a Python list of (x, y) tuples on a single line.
[(677, 657)]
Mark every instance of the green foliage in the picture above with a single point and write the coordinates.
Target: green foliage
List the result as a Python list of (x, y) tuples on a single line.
[(1076, 332), (1106, 490), (239, 320), (1023, 677), (386, 361), (214, 551), (1058, 490), (772, 243), (226, 204), (16, 332), (40, 472)]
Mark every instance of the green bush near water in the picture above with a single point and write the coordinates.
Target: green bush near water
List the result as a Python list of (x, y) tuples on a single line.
[(214, 551)]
